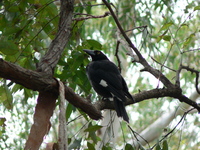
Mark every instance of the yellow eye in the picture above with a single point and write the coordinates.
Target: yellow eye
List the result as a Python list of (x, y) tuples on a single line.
[(98, 53)]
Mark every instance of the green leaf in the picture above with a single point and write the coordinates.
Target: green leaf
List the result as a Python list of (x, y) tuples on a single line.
[(90, 146), (16, 87), (68, 111), (93, 128), (6, 96), (197, 8), (166, 38), (188, 40), (106, 148), (165, 145), (166, 26), (94, 44), (158, 147), (2, 126), (93, 136), (129, 147), (10, 30), (13, 8), (2, 121), (184, 25), (69, 140), (8, 47), (159, 38)]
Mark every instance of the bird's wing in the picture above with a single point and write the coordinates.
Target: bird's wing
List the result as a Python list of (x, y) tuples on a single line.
[(107, 75)]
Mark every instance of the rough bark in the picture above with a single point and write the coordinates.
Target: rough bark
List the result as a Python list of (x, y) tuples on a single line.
[(42, 80), (37, 81), (41, 126), (47, 100)]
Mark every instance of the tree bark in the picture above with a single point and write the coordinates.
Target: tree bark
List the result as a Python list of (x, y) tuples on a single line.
[(47, 100), (42, 80), (41, 126)]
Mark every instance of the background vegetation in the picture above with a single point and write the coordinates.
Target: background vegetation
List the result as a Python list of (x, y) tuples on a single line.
[(165, 32)]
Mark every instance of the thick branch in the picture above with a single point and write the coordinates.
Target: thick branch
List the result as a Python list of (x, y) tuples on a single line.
[(51, 58), (84, 104), (40, 82), (155, 93), (37, 81), (30, 79)]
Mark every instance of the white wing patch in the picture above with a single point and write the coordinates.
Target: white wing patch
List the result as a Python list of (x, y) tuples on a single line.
[(103, 83)]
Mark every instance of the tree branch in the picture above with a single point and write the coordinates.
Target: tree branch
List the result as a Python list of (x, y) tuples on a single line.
[(117, 56), (170, 132), (197, 76), (62, 130), (43, 112), (147, 67), (146, 95), (51, 58), (90, 16), (41, 82), (47, 100), (37, 81)]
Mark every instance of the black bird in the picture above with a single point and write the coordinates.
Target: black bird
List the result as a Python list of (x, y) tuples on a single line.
[(107, 81)]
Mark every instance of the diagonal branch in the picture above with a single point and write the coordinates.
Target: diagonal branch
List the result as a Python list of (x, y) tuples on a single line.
[(170, 86), (51, 58), (147, 67)]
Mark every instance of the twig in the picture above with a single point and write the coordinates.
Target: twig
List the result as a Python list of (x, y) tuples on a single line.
[(178, 75), (117, 56), (158, 74), (162, 64), (197, 76), (137, 134), (183, 117), (191, 50), (122, 31), (127, 47), (89, 5), (145, 26), (90, 16), (153, 71)]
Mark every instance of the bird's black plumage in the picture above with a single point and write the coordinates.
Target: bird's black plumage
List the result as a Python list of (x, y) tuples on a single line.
[(107, 81)]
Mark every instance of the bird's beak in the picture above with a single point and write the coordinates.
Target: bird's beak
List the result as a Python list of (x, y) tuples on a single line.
[(90, 52)]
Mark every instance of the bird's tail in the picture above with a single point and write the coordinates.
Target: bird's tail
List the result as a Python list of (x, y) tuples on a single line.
[(120, 109)]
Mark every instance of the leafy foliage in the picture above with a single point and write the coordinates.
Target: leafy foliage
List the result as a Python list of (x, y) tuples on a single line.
[(170, 39)]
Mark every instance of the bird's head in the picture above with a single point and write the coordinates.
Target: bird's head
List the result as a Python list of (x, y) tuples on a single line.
[(96, 55)]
